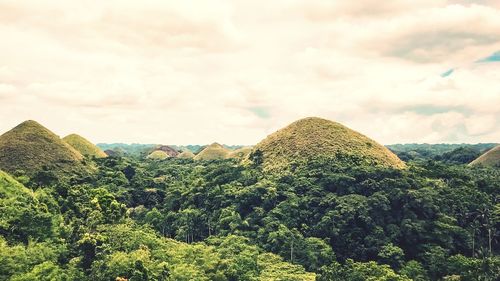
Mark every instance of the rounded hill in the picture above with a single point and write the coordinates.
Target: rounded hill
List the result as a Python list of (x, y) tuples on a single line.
[(32, 148), (168, 150), (212, 152), (84, 146), (313, 138), (186, 154), (490, 158), (158, 155), (240, 153)]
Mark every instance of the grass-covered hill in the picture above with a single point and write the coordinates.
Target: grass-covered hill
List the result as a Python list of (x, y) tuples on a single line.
[(491, 158), (84, 146), (32, 148), (311, 138), (240, 153), (212, 152), (171, 152), (9, 187), (158, 155), (186, 154)]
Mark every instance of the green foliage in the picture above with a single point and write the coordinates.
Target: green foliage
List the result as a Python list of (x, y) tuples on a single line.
[(360, 271), (84, 146), (452, 153), (22, 215), (180, 219)]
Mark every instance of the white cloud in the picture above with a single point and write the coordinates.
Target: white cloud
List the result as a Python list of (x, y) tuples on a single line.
[(234, 71)]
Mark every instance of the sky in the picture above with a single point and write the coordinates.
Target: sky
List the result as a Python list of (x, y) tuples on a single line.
[(196, 72)]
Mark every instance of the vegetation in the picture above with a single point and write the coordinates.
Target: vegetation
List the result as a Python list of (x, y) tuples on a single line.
[(31, 149), (240, 153), (85, 147), (158, 155), (214, 151), (132, 150), (186, 154), (439, 151), (181, 219), (490, 158), (313, 137)]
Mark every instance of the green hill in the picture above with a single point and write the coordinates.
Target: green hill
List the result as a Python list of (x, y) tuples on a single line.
[(212, 152), (9, 187), (491, 158), (32, 148), (84, 146), (313, 137), (186, 154), (158, 155), (240, 153)]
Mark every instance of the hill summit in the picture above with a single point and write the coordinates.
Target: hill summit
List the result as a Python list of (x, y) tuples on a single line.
[(32, 148), (212, 152), (84, 146), (490, 158), (311, 138), (186, 154)]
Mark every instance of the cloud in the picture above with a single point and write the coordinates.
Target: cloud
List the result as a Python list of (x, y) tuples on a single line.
[(233, 72)]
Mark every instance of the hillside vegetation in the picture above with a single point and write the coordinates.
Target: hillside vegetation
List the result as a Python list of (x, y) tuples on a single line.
[(31, 148), (84, 146), (214, 151), (158, 155), (240, 153), (87, 236), (312, 138), (490, 158), (186, 154)]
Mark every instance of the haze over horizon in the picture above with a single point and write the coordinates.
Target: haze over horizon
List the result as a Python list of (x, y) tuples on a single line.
[(196, 72)]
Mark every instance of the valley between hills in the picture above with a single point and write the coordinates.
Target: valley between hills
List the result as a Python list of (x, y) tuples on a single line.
[(314, 200)]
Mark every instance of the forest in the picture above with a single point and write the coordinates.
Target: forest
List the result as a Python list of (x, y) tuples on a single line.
[(321, 221)]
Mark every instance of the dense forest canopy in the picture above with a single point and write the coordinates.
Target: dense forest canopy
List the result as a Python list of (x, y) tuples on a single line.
[(430, 221), (325, 216)]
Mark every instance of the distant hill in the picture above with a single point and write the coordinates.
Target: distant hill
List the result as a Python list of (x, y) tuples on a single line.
[(491, 158), (313, 137), (171, 152), (134, 149), (84, 146), (158, 155), (240, 153), (32, 148), (212, 152), (425, 151), (186, 154)]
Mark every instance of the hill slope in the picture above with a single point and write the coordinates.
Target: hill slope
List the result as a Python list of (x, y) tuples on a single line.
[(158, 155), (32, 148), (84, 146), (9, 187), (240, 153), (490, 158), (212, 152), (186, 154), (168, 150), (313, 137)]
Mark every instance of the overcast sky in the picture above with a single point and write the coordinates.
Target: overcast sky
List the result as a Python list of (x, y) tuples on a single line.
[(179, 72)]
